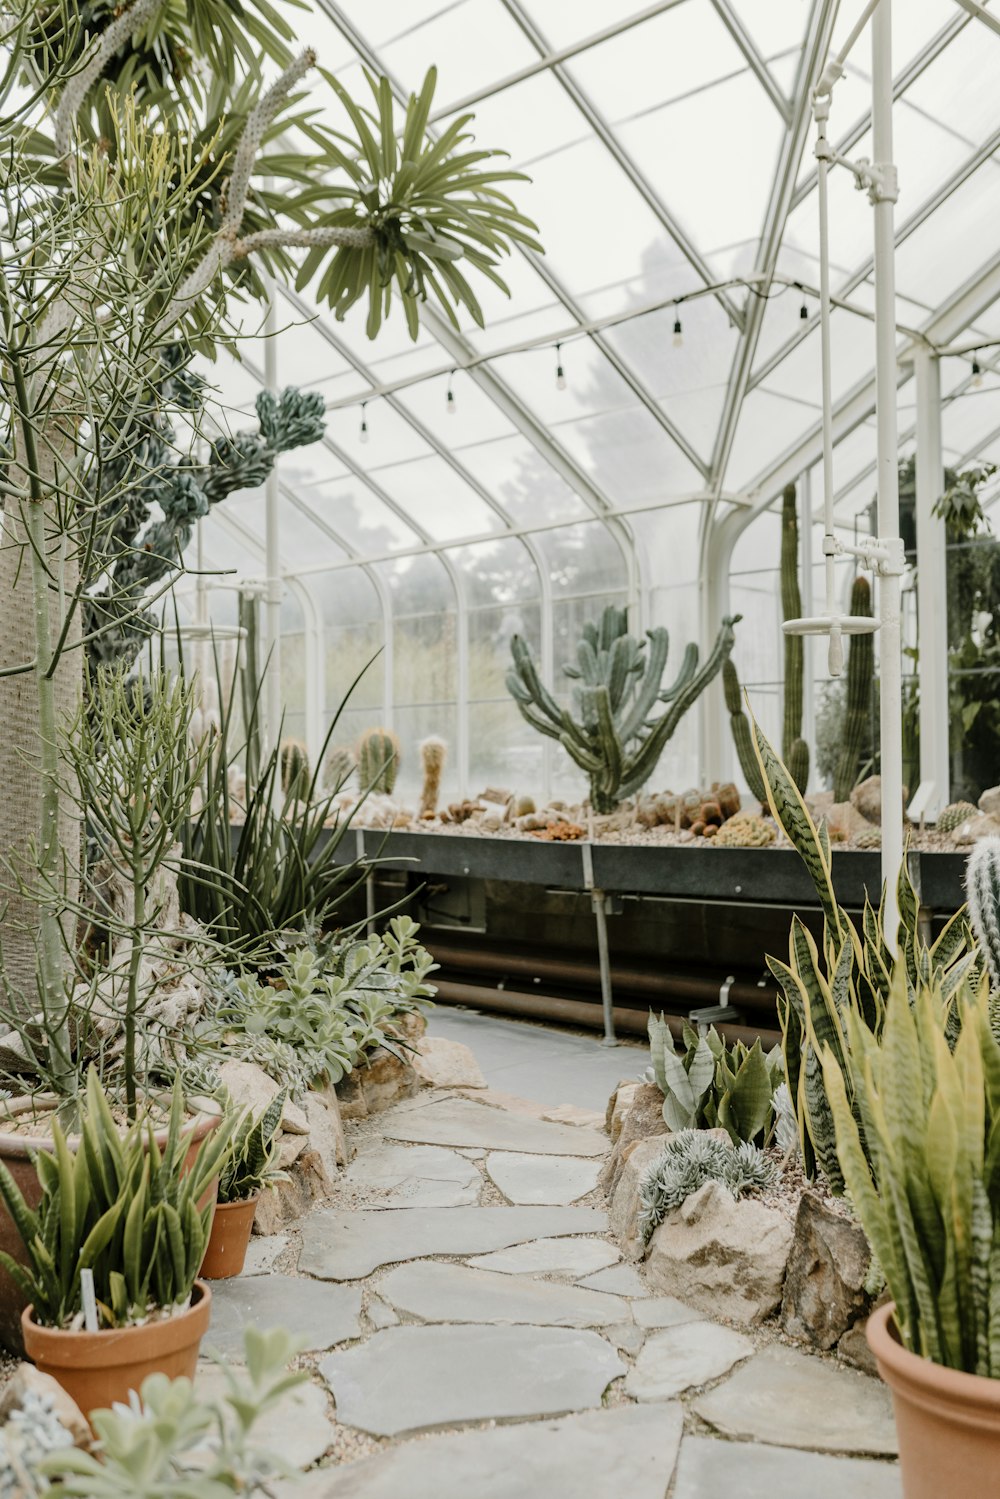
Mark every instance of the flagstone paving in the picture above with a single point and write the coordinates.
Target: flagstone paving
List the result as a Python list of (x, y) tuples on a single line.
[(456, 1293), (413, 1378), (445, 1309)]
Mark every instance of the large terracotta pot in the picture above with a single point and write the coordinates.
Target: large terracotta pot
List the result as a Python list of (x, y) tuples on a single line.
[(948, 1422), (98, 1368), (17, 1152), (227, 1243)]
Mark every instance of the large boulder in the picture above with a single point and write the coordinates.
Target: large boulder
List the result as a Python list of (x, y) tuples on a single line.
[(845, 821), (724, 1257), (643, 1119), (440, 1063), (250, 1087), (618, 1106), (30, 1384), (824, 1290), (623, 1212)]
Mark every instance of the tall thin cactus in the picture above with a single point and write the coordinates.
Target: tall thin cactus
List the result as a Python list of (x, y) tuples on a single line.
[(982, 884), (860, 680), (794, 748), (742, 737), (612, 733)]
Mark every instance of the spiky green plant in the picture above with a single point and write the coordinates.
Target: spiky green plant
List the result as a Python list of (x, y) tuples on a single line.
[(740, 724), (714, 1085), (689, 1160), (613, 733), (249, 1163), (378, 761), (296, 777), (848, 972), (794, 747), (122, 1206), (860, 683), (918, 1137)]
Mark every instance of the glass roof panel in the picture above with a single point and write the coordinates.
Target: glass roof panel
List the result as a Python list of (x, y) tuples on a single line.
[(437, 499), (630, 457), (365, 522), (471, 416), (631, 74), (773, 24), (939, 256), (529, 488), (441, 39), (958, 89), (496, 572), (581, 561)]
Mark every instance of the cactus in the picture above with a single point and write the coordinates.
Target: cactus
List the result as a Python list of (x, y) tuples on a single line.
[(745, 831), (296, 776), (954, 815), (340, 766), (378, 760), (860, 680), (869, 838), (250, 685), (612, 733), (433, 752), (741, 732), (982, 884), (795, 749), (728, 798)]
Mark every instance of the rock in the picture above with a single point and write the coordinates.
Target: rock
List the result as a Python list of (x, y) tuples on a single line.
[(293, 1120), (867, 798), (627, 1450), (339, 1245), (351, 1097), (251, 1087), (410, 1378), (975, 828), (436, 1292), (380, 1315), (620, 1280), (709, 1469), (385, 1079), (567, 1258), (726, 1258), (286, 1202), (846, 822), (403, 1176), (618, 1106), (290, 1147), (460, 1121), (684, 1356), (28, 1380), (326, 1130), (321, 1314), (643, 1120), (542, 1179), (262, 1254), (570, 1113), (664, 1311), (824, 1289), (440, 1063), (793, 1399), (297, 1427), (989, 802), (853, 1349), (623, 1213)]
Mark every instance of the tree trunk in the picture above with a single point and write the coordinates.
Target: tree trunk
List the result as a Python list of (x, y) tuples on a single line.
[(21, 774)]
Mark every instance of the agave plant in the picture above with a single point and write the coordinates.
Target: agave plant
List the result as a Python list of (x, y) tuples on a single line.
[(714, 1085), (848, 973)]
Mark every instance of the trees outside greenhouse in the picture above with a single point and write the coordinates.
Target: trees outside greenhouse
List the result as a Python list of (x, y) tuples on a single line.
[(499, 598)]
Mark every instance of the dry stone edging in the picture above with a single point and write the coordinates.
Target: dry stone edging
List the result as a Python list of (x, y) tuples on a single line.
[(824, 1292)]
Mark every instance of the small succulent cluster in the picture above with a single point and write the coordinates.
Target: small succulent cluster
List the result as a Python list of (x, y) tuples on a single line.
[(689, 1160), (954, 815), (32, 1431), (746, 831), (703, 812)]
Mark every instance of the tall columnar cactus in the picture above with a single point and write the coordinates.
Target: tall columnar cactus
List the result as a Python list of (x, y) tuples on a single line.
[(794, 748), (982, 884), (295, 772), (250, 684), (378, 761), (860, 681), (433, 753), (742, 737), (612, 733)]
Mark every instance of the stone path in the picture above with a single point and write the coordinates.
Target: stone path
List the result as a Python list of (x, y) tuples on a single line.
[(472, 1330)]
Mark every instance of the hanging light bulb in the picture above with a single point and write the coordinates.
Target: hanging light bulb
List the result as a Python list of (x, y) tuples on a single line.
[(977, 374), (364, 423), (560, 372), (449, 405), (678, 333), (804, 313)]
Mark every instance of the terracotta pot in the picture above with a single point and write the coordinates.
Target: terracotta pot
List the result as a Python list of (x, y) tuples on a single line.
[(16, 1152), (227, 1243), (948, 1422), (98, 1368)]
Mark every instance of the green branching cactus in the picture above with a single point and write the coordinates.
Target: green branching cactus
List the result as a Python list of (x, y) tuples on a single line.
[(742, 737), (378, 761), (860, 680), (794, 747), (612, 733)]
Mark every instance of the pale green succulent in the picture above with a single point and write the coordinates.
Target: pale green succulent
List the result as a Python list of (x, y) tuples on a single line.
[(713, 1084), (689, 1160)]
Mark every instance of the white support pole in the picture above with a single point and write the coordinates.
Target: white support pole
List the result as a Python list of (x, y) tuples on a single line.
[(932, 592), (808, 650), (890, 658), (272, 555)]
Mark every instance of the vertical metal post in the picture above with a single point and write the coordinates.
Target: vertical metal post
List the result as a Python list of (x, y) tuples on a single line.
[(890, 658), (808, 651), (597, 903), (932, 592), (272, 554), (359, 853)]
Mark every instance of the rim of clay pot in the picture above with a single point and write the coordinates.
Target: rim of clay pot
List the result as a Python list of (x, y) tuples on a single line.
[(922, 1379), (58, 1347), (241, 1202), (23, 1147)]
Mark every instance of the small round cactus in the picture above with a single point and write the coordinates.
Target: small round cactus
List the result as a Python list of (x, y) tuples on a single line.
[(954, 815), (295, 771), (745, 831)]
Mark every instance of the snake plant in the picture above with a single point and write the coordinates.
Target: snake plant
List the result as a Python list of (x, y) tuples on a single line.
[(923, 1164), (249, 1161), (846, 973), (122, 1205), (714, 1085)]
